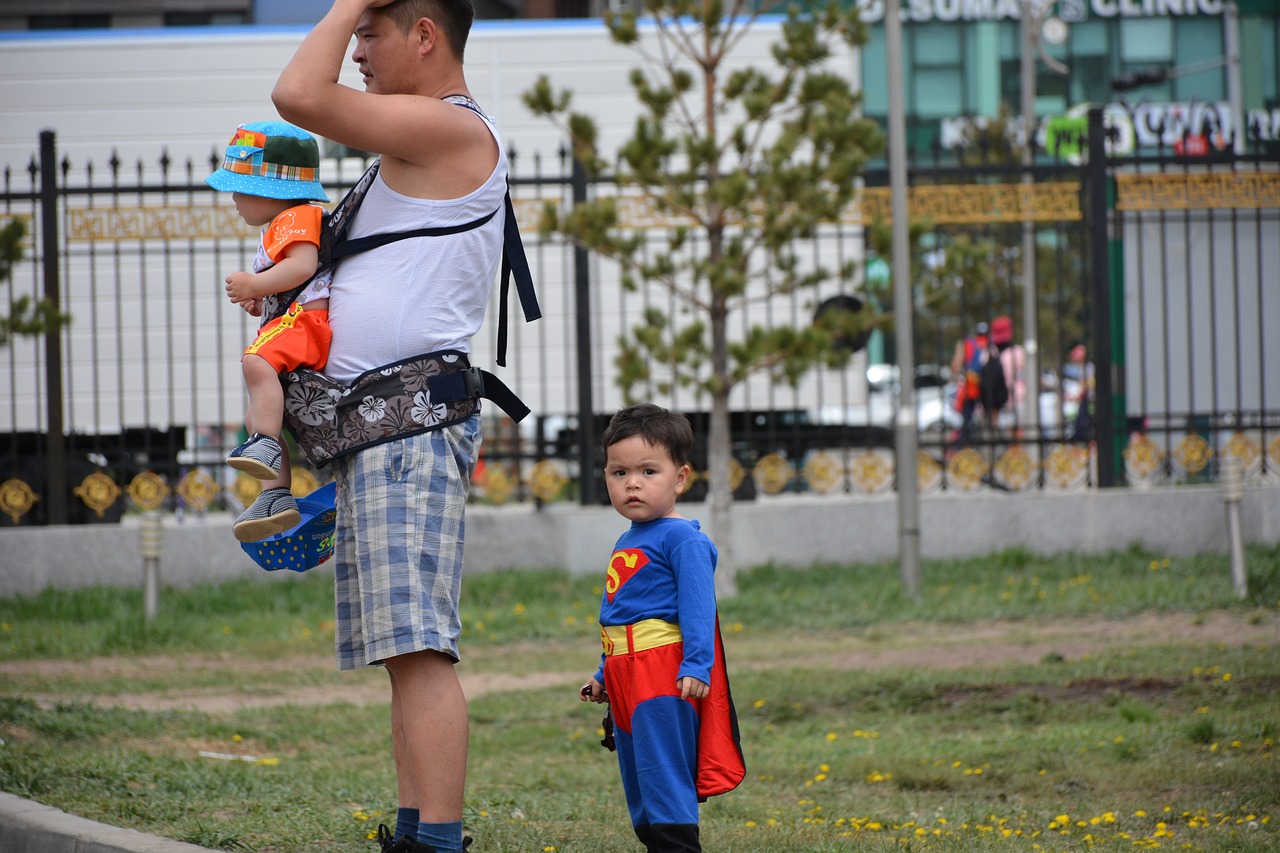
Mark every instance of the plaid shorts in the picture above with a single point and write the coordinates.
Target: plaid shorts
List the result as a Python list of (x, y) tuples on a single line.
[(398, 555)]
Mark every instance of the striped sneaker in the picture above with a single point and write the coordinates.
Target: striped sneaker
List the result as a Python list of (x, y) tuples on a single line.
[(258, 457), (275, 511)]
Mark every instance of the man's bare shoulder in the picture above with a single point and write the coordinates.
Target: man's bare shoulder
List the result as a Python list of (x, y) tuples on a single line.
[(454, 158)]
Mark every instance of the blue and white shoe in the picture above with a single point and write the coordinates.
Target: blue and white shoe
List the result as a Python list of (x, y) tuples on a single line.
[(258, 457), (275, 511)]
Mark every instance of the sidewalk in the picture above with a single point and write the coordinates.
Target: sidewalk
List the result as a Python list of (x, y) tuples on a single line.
[(29, 827)]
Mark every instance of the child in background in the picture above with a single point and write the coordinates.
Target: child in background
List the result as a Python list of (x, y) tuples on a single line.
[(663, 672), (272, 171)]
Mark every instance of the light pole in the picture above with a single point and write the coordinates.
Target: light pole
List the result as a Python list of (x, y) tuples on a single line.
[(1031, 14), (905, 427)]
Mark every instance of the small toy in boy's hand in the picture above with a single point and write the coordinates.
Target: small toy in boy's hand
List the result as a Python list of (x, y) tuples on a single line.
[(607, 741)]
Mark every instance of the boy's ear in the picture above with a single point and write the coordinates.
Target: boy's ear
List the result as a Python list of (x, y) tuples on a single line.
[(682, 477)]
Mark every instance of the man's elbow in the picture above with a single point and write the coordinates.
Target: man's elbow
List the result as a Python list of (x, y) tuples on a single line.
[(291, 103)]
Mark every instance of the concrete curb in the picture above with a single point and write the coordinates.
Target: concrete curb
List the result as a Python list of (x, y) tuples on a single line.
[(30, 827)]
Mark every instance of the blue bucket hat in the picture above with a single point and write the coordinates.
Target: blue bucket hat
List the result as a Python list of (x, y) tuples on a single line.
[(271, 159)]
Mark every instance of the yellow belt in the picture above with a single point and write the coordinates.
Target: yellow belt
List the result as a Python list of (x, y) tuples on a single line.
[(648, 634)]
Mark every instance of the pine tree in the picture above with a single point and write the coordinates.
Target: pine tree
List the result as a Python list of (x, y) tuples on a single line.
[(751, 160), (27, 316)]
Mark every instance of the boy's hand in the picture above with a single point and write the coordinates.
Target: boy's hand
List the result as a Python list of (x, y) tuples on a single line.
[(253, 307), (593, 691), (692, 688), (240, 288)]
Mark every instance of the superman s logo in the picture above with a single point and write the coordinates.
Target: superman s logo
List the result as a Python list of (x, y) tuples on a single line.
[(622, 566)]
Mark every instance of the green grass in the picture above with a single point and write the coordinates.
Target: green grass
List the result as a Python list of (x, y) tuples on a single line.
[(1167, 746)]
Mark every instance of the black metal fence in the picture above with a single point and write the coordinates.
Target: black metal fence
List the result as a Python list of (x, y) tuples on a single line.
[(1163, 268)]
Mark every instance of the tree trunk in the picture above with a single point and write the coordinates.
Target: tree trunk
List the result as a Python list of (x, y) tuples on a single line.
[(719, 444)]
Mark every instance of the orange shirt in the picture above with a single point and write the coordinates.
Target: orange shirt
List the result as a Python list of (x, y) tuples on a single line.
[(301, 223)]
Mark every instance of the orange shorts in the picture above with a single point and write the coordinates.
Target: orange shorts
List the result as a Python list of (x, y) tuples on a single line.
[(296, 339)]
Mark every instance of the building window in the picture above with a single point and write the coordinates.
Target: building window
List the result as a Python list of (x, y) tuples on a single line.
[(68, 22), (203, 19), (937, 71)]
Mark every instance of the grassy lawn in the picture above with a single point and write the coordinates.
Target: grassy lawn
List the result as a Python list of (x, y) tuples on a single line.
[(1102, 702)]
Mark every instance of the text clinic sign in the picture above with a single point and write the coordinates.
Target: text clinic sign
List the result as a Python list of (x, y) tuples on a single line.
[(1071, 11)]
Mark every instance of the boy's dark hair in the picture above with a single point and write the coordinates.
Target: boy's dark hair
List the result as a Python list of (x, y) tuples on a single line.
[(454, 17), (656, 425)]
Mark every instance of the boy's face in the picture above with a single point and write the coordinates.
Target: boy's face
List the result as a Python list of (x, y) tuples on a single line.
[(256, 210), (642, 480)]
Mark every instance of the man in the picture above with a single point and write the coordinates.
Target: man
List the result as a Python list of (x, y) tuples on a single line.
[(400, 503), (966, 364)]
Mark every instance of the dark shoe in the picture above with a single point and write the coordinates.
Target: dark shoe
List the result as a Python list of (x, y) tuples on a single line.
[(275, 511), (405, 844), (258, 457), (390, 844)]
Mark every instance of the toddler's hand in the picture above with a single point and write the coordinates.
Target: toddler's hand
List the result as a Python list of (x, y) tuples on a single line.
[(240, 288), (692, 688), (253, 307), (593, 691)]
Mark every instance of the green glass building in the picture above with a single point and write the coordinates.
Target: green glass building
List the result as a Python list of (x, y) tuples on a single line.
[(962, 61)]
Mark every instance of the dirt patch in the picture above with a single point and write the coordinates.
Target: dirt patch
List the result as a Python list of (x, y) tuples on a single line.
[(929, 645)]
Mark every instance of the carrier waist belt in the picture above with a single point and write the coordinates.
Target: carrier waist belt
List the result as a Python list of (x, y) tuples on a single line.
[(648, 634), (426, 392)]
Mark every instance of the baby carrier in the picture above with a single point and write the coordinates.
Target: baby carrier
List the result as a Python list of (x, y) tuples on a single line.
[(425, 392)]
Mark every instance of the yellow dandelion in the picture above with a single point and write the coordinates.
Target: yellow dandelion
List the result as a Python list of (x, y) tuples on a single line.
[(759, 703), (832, 735), (519, 609)]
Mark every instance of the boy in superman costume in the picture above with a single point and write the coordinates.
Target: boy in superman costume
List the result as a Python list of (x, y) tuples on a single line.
[(662, 672)]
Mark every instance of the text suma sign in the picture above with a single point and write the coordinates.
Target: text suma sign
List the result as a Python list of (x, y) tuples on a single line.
[(922, 11)]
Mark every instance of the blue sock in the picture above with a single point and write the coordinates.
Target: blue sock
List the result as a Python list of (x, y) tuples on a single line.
[(443, 837), (406, 823)]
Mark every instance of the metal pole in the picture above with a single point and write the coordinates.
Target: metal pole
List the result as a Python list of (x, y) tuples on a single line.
[(152, 542), (903, 311), (1030, 311), (56, 455), (1235, 90), (1106, 380), (582, 308), (1232, 494)]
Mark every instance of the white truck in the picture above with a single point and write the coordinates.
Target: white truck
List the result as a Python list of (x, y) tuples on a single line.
[(153, 341)]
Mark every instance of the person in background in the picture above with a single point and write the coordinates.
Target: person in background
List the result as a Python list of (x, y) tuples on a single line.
[(1013, 358), (966, 365)]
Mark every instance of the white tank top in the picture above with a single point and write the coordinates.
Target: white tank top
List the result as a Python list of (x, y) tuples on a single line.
[(417, 295)]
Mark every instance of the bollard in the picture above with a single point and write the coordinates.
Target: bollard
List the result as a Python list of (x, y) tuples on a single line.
[(152, 540), (1232, 494)]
